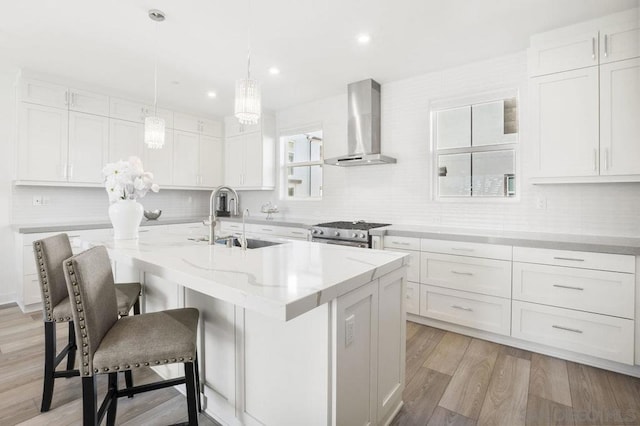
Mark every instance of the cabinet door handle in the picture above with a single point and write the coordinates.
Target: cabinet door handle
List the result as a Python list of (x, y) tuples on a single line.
[(595, 159), (70, 171), (462, 249), (298, 233), (64, 170), (593, 48), (462, 273), (573, 330), (572, 259), (66, 98), (462, 308), (73, 99), (267, 229), (606, 45), (400, 243), (568, 287), (606, 158)]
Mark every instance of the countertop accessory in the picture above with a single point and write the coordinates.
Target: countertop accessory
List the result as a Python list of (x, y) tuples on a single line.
[(269, 209), (152, 214)]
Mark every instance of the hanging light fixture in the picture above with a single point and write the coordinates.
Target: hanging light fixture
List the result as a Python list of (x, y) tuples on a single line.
[(154, 125), (247, 105)]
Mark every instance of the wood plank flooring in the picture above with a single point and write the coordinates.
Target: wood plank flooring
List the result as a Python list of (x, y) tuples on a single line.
[(465, 381), (21, 368), (451, 380)]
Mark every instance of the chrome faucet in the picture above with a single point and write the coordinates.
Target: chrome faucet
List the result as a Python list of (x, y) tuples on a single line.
[(243, 238), (213, 219)]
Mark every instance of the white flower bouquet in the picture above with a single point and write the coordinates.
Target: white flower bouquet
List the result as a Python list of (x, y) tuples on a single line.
[(127, 180)]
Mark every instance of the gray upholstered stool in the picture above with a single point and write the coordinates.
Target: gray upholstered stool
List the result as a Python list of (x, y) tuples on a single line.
[(50, 253), (110, 345)]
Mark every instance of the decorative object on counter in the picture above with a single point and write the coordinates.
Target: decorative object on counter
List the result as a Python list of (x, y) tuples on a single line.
[(247, 104), (125, 182), (152, 214), (154, 125), (269, 209)]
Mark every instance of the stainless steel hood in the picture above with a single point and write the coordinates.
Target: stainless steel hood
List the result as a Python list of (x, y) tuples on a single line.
[(363, 128)]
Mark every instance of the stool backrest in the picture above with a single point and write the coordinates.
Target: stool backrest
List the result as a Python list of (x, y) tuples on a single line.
[(49, 254), (93, 296)]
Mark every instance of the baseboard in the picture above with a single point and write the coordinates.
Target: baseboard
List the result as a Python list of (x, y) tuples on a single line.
[(7, 298)]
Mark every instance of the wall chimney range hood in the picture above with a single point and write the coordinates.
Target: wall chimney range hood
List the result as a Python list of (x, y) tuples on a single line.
[(363, 141)]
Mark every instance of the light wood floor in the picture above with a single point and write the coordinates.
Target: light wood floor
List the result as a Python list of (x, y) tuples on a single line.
[(451, 380), (458, 380), (21, 368)]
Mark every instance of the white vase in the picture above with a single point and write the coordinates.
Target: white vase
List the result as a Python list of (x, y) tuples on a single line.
[(125, 217)]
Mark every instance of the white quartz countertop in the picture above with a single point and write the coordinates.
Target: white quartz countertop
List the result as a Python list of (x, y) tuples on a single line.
[(38, 228), (282, 281), (593, 243)]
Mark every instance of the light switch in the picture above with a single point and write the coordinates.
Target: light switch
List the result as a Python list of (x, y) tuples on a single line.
[(350, 329)]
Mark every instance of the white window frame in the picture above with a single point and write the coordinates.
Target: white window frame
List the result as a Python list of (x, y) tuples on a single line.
[(462, 101), (284, 164)]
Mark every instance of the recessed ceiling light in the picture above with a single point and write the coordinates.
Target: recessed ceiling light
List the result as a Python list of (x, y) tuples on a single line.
[(175, 82), (212, 94), (364, 38), (274, 71)]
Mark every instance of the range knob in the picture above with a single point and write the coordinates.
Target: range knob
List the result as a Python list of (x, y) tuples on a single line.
[(320, 232), (337, 234), (314, 231), (363, 236), (354, 235)]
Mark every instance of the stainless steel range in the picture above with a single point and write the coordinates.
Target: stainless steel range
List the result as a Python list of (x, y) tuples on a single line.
[(355, 234)]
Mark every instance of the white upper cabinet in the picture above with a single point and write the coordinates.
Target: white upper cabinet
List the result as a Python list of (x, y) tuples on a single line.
[(124, 109), (165, 114), (125, 139), (88, 147), (89, 102), (620, 118), (211, 162), (250, 156), (232, 127), (160, 161), (197, 160), (43, 138), (44, 93), (565, 122), (190, 123), (211, 128), (611, 38)]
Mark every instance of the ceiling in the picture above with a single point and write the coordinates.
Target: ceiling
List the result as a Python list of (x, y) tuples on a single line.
[(202, 43)]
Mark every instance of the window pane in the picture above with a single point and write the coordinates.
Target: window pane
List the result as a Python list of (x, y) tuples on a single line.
[(304, 147), (494, 123), (453, 128), (304, 181), (493, 173), (454, 171)]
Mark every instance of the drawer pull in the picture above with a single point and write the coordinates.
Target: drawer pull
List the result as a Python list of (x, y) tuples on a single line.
[(573, 330), (462, 249), (267, 229), (572, 259), (462, 308), (399, 243), (74, 236), (568, 287), (298, 233), (462, 273)]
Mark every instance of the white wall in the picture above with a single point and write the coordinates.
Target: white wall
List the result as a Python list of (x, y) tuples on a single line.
[(7, 167), (401, 193)]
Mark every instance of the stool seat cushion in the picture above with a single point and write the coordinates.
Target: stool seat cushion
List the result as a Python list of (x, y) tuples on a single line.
[(126, 296), (62, 311), (147, 340)]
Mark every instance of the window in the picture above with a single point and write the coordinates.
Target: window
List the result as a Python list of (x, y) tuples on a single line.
[(302, 165), (475, 147)]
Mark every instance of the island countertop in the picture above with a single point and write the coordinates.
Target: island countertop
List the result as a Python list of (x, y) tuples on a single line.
[(282, 281)]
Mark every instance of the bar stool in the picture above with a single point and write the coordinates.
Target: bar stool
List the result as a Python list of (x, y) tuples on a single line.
[(57, 307), (110, 344)]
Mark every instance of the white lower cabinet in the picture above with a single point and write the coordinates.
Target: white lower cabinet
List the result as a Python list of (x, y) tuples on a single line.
[(582, 332), (468, 309), (412, 298)]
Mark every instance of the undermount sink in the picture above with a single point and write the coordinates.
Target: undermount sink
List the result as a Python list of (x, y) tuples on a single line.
[(251, 243)]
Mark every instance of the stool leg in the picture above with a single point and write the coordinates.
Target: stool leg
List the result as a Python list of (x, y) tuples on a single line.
[(71, 355), (49, 364), (136, 307), (89, 401), (198, 390), (128, 379), (113, 406), (189, 374)]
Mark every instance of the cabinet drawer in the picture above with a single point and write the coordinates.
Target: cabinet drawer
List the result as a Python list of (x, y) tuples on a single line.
[(576, 259), (586, 333), (491, 251), (413, 271), (406, 243), (291, 232), (486, 276), (603, 292), (467, 309), (232, 227), (412, 298)]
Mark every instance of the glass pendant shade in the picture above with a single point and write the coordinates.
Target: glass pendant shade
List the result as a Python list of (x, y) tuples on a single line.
[(154, 132), (247, 105)]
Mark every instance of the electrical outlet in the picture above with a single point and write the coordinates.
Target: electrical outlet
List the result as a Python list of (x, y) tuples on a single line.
[(541, 203), (37, 200), (350, 329)]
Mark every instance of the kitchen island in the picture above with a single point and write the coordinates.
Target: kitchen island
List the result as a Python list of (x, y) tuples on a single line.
[(290, 334)]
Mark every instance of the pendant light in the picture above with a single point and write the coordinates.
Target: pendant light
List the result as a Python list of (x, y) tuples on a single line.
[(154, 125), (247, 104)]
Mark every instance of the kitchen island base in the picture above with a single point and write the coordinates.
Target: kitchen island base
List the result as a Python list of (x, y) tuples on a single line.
[(339, 363)]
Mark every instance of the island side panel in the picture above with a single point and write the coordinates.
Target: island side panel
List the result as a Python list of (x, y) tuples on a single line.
[(286, 377)]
